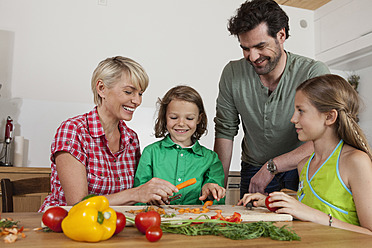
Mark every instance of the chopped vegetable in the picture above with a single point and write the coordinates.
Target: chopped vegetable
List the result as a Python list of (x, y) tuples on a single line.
[(10, 230), (161, 211), (7, 223), (207, 204), (186, 183)]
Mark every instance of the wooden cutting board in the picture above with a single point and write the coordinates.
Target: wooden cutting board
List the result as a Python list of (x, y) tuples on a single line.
[(256, 214)]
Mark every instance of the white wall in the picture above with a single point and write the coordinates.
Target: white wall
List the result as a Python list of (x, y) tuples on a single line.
[(52, 48), (365, 89)]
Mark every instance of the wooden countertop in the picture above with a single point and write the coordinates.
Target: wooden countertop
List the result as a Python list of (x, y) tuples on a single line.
[(312, 235), (36, 170)]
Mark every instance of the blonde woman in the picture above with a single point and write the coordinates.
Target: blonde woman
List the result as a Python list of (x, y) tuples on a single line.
[(96, 153)]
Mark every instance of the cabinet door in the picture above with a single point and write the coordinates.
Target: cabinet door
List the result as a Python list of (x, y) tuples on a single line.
[(343, 23)]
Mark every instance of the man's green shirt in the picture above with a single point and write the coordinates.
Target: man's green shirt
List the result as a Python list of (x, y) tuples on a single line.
[(265, 117)]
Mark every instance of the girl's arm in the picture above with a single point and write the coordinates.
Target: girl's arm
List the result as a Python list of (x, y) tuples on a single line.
[(356, 172)]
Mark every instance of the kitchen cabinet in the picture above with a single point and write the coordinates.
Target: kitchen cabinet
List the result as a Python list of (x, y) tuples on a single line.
[(343, 34), (29, 202)]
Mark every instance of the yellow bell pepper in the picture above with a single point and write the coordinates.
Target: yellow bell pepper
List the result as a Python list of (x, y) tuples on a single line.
[(91, 220)]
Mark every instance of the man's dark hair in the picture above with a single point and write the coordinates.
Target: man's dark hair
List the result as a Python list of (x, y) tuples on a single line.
[(253, 13)]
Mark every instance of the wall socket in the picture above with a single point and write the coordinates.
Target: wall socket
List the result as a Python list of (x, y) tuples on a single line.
[(102, 2)]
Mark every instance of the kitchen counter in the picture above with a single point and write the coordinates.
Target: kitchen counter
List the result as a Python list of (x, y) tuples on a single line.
[(312, 235)]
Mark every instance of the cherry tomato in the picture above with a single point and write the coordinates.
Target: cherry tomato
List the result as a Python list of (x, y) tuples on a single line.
[(120, 222), (144, 220), (154, 233), (272, 209), (53, 217)]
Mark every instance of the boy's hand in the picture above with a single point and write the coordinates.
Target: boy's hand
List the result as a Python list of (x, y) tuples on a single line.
[(213, 189)]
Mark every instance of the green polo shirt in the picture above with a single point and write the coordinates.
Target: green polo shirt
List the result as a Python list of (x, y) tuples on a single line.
[(169, 161), (265, 118)]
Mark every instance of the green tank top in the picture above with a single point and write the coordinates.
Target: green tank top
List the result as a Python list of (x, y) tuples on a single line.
[(326, 191)]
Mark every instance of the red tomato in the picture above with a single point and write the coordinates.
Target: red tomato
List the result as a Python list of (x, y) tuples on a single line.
[(120, 222), (53, 217), (144, 220), (272, 209), (154, 233)]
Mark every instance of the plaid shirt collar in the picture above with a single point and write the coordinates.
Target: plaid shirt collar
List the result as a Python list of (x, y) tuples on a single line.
[(96, 130)]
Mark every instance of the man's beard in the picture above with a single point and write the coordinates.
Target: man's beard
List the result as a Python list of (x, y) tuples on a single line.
[(271, 63)]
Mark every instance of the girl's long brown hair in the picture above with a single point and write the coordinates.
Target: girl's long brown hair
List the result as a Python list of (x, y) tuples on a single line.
[(329, 92)]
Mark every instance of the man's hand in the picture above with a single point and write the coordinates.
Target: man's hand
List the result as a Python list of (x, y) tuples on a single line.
[(260, 181)]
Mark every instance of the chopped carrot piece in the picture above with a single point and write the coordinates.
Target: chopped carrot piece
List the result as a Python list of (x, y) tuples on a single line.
[(207, 204)]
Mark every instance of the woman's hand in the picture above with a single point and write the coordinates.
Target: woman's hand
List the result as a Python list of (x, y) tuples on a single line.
[(213, 189), (258, 200)]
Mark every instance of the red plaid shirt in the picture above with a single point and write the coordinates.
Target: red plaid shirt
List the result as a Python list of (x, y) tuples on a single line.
[(107, 173)]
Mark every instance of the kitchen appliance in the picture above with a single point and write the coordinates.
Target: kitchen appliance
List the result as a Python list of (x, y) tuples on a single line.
[(5, 151)]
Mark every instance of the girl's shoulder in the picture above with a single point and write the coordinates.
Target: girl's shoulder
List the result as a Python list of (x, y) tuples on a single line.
[(302, 163), (352, 155), (354, 161)]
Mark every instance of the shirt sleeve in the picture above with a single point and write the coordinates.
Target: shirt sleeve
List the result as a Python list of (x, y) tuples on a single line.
[(215, 174), (69, 139), (318, 69), (227, 117)]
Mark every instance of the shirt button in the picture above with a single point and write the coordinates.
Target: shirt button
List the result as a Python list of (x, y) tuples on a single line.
[(101, 174), (181, 154), (179, 179), (67, 142), (177, 147), (114, 160), (118, 178)]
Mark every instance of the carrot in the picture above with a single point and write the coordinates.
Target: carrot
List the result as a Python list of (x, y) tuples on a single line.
[(208, 203), (186, 183)]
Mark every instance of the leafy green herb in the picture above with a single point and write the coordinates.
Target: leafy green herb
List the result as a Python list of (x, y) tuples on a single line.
[(236, 231), (47, 229), (6, 223), (169, 215), (231, 230)]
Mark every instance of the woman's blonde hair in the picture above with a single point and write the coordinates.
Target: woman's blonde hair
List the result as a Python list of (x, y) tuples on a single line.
[(330, 92), (109, 71), (184, 93)]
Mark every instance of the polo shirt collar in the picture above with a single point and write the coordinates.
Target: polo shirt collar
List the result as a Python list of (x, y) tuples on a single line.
[(196, 148)]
